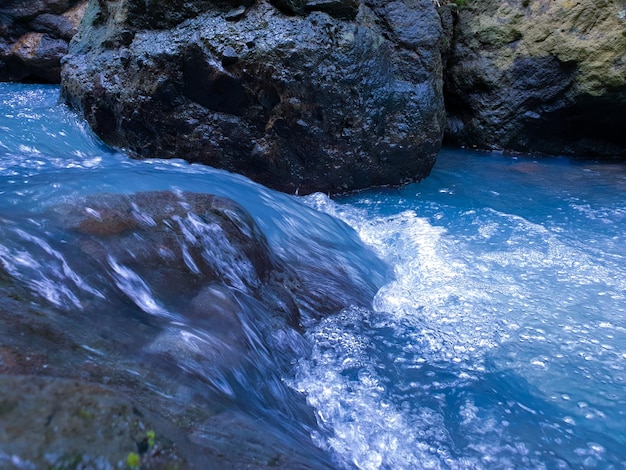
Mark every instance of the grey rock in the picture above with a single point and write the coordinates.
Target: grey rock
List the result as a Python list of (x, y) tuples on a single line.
[(55, 25), (236, 13), (229, 56), (20, 10), (314, 102)]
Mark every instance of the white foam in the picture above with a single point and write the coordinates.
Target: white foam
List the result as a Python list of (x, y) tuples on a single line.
[(499, 292)]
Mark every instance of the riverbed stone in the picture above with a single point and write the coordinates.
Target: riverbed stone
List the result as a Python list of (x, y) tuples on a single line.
[(332, 96), (540, 76)]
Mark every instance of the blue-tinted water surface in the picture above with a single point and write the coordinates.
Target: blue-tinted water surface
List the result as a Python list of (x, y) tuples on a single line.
[(497, 340), (501, 342)]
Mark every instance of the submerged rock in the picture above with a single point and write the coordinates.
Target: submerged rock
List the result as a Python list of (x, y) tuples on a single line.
[(34, 36), (300, 96), (177, 244), (539, 76), (182, 244), (174, 299)]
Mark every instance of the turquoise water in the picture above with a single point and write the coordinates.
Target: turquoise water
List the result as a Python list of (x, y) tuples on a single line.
[(496, 338), (501, 343)]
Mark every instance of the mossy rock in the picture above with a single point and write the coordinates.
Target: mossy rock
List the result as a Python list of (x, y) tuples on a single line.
[(64, 424), (540, 76)]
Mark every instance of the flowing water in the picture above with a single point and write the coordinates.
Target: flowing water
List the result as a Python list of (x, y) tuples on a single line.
[(496, 338)]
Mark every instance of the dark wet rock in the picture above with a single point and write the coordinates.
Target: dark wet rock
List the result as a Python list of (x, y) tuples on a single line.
[(34, 36), (317, 100), (540, 77), (229, 56), (140, 14), (346, 9), (38, 54), (290, 7), (55, 25)]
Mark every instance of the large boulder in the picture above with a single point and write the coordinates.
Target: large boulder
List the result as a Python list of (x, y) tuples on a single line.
[(34, 35), (301, 96), (545, 76)]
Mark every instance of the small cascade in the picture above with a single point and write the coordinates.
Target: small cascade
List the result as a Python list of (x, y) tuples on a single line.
[(474, 320), (186, 286)]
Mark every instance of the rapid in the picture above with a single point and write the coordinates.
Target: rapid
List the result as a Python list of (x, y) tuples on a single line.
[(496, 336)]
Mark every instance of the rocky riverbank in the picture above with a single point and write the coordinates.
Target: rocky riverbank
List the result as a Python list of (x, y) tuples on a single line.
[(332, 96), (34, 35), (539, 76)]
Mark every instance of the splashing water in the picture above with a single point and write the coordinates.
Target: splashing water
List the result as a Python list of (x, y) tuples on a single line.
[(501, 340), (496, 338), (168, 299)]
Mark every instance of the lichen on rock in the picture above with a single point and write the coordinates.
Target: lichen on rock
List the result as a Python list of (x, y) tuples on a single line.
[(539, 76)]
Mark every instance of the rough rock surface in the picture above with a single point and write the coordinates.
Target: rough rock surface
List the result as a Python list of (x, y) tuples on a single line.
[(34, 35), (298, 95), (545, 76), (74, 424)]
